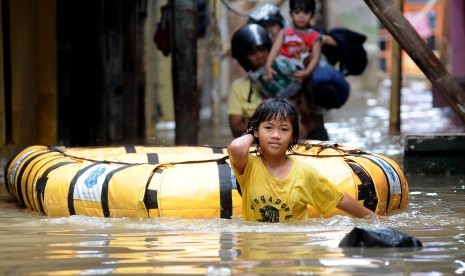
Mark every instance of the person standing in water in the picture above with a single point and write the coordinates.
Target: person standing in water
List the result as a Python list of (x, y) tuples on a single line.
[(276, 187), (250, 46)]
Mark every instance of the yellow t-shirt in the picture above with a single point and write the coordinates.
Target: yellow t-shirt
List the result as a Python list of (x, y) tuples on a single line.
[(268, 199), (238, 98)]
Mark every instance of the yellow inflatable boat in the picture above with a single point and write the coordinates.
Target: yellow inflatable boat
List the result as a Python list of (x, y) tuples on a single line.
[(180, 181)]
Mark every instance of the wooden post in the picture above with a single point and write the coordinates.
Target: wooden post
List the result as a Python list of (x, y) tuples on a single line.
[(421, 54), (47, 75), (396, 82), (183, 28)]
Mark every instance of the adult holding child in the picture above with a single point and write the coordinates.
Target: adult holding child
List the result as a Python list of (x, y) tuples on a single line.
[(250, 46), (341, 47), (298, 41), (326, 87)]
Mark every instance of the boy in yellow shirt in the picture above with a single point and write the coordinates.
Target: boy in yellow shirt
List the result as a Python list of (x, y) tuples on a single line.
[(277, 187)]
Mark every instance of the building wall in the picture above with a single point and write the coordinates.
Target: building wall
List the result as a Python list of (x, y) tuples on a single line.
[(428, 20), (457, 37), (433, 31), (160, 84), (159, 104)]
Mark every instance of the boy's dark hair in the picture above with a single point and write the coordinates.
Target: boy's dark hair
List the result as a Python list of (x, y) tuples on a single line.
[(276, 109), (304, 5)]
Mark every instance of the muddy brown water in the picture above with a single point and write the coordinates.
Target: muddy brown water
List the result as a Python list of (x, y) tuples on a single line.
[(33, 244)]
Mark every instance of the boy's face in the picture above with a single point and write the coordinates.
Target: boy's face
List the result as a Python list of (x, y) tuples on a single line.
[(301, 18), (275, 136), (257, 56)]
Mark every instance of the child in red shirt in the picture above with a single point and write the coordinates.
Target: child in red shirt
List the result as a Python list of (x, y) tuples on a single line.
[(297, 41)]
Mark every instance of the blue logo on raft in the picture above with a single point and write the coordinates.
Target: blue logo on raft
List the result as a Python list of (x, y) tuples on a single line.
[(91, 180)]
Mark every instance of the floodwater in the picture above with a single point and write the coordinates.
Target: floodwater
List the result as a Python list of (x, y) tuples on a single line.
[(32, 244), (36, 245)]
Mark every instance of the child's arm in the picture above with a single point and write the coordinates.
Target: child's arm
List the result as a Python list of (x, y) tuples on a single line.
[(274, 52), (238, 151), (299, 76), (349, 205)]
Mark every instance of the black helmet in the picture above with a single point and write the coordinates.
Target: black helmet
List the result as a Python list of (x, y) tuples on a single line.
[(265, 15), (244, 39)]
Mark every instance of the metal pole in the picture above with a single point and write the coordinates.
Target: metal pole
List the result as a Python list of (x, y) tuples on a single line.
[(401, 29)]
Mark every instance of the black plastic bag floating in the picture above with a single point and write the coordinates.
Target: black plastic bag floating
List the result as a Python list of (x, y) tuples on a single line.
[(378, 237)]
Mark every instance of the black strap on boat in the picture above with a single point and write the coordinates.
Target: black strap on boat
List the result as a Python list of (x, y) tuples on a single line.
[(104, 195), (50, 159), (71, 209), (217, 150), (42, 182), (151, 196), (224, 175), (366, 190), (387, 182), (387, 179), (151, 199), (152, 158), (19, 177), (130, 149)]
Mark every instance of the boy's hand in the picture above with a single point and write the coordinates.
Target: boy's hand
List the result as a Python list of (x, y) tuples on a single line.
[(269, 73)]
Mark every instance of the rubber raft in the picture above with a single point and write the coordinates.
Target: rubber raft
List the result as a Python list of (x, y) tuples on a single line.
[(180, 181)]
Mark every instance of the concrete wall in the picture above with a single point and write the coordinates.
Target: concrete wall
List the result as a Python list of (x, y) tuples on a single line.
[(158, 89)]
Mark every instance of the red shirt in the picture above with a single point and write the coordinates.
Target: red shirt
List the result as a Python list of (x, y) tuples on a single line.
[(297, 42)]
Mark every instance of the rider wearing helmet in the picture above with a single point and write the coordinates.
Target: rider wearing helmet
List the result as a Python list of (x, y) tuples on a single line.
[(248, 40), (250, 46)]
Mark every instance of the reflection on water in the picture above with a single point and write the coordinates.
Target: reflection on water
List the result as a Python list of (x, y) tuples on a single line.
[(363, 122), (34, 244)]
